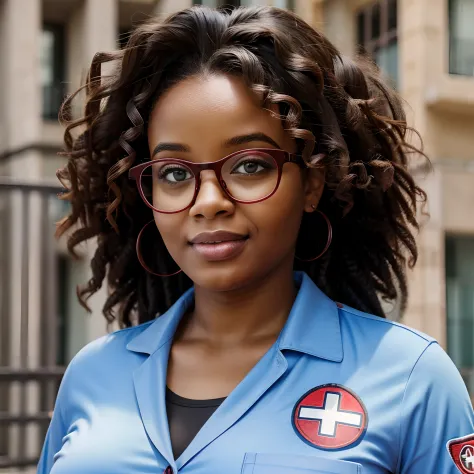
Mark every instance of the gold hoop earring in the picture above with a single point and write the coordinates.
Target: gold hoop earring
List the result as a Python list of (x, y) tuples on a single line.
[(142, 260)]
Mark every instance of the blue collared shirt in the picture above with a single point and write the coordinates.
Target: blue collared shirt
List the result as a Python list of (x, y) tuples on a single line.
[(339, 392)]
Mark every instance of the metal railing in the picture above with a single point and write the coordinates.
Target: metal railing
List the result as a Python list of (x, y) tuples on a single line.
[(30, 371), (461, 56)]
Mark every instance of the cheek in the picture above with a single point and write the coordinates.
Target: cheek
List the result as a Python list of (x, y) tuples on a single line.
[(279, 217), (169, 226)]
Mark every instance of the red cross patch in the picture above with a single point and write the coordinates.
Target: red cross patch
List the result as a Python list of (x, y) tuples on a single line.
[(330, 417), (462, 453)]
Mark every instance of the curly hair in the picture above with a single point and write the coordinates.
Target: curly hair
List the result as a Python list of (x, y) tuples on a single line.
[(339, 111)]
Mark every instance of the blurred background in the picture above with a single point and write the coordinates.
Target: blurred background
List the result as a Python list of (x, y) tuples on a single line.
[(425, 47)]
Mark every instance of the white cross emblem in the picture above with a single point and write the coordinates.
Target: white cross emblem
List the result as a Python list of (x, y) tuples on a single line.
[(330, 416), (468, 457)]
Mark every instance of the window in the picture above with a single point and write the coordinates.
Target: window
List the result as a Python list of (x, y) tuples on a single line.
[(377, 35), (288, 4), (124, 36), (52, 69), (460, 304), (461, 37), (220, 3)]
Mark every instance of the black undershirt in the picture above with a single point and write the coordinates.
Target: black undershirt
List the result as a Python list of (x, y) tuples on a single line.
[(186, 417)]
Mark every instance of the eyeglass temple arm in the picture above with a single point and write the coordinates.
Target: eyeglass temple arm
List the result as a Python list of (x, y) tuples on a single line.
[(297, 159)]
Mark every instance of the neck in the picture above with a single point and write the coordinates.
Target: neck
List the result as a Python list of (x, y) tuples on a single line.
[(259, 310)]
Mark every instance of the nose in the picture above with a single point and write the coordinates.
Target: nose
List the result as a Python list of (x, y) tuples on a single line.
[(211, 200)]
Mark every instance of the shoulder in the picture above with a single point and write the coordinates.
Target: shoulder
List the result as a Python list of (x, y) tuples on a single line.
[(424, 361), (110, 345), (421, 365), (381, 330), (103, 358), (435, 373), (381, 343)]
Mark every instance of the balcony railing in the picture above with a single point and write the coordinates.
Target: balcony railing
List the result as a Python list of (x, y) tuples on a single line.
[(461, 56), (30, 370)]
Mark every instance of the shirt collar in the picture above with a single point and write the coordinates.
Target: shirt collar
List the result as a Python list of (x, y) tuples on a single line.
[(160, 331), (312, 326)]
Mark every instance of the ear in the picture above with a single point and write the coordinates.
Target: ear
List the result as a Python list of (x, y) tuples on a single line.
[(314, 186)]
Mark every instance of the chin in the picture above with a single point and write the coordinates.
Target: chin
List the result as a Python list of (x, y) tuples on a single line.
[(222, 277)]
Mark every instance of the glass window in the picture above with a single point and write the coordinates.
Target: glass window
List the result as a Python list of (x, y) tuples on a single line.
[(220, 3), (52, 69), (392, 14), (387, 59), (208, 3), (124, 36), (376, 25), (460, 304), (376, 22), (288, 4), (461, 37), (360, 29)]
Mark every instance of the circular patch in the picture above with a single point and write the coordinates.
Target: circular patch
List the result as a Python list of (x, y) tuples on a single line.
[(330, 417), (466, 458)]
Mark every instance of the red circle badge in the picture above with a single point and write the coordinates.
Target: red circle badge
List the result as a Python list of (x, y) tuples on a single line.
[(330, 417), (462, 453), (466, 458)]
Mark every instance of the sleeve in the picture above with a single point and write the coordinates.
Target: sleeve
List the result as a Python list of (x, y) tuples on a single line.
[(57, 430), (52, 443), (436, 408)]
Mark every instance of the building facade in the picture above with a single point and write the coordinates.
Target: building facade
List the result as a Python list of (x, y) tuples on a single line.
[(46, 46), (430, 58)]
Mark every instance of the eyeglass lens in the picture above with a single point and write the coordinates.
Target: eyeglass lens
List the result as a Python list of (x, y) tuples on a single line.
[(248, 176)]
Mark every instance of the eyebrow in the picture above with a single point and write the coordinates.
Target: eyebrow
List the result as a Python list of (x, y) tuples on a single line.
[(238, 140), (251, 137), (170, 147)]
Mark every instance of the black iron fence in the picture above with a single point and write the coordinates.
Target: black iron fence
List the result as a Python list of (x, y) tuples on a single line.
[(30, 370)]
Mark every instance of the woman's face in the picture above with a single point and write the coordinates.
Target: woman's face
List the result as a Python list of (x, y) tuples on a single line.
[(203, 115)]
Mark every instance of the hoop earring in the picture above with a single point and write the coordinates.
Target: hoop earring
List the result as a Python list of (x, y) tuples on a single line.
[(328, 242), (141, 259)]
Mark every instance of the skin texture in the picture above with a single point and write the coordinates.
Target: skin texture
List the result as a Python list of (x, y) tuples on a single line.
[(334, 107), (241, 304)]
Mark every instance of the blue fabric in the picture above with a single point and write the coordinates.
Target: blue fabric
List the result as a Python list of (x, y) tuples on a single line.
[(110, 415)]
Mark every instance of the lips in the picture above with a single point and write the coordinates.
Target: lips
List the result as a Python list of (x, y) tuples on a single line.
[(218, 236), (219, 245)]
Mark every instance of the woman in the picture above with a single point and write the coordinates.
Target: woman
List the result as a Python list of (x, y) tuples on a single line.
[(226, 151)]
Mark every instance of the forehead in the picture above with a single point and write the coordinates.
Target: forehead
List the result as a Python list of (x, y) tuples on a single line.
[(216, 107)]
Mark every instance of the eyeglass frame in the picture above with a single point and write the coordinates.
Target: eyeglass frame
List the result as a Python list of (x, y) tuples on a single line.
[(280, 156)]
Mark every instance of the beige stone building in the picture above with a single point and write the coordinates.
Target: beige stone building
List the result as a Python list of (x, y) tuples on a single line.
[(425, 46)]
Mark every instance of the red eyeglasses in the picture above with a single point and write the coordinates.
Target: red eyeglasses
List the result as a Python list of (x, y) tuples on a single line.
[(247, 176)]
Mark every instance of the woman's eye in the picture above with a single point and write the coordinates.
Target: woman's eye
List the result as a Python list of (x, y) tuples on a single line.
[(249, 167), (175, 175)]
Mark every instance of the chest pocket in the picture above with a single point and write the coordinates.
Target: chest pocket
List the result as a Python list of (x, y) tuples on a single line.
[(260, 463)]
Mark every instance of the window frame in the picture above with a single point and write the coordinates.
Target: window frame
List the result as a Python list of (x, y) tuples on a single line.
[(231, 4), (454, 242), (452, 39), (59, 66), (387, 35)]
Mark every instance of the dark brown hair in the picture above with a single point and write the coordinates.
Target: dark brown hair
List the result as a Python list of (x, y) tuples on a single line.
[(339, 111)]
